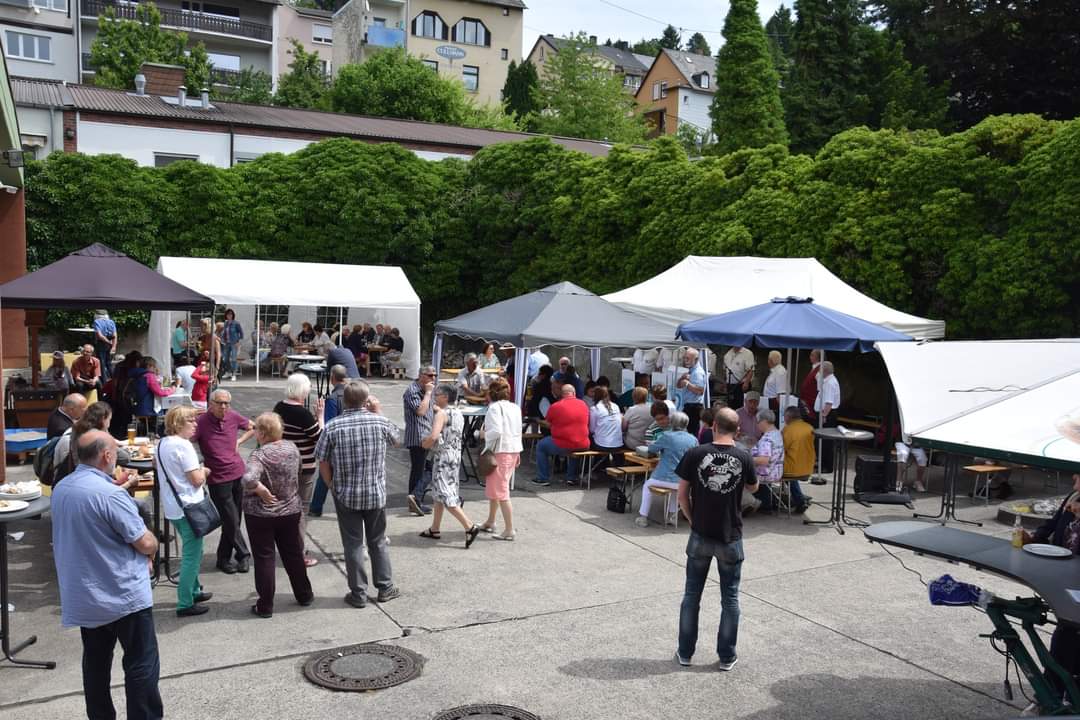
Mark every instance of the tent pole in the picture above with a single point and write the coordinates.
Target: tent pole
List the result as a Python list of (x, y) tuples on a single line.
[(820, 417), (258, 342)]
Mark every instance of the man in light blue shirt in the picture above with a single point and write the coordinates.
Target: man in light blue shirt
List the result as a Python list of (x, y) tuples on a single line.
[(105, 338), (103, 553), (537, 359), (690, 390)]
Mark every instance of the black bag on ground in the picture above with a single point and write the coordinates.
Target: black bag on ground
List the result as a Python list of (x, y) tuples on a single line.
[(616, 499)]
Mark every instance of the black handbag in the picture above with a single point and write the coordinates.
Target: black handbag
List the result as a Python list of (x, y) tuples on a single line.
[(202, 517), (616, 499)]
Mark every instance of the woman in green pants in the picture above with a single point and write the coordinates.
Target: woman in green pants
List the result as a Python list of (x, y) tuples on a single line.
[(178, 466)]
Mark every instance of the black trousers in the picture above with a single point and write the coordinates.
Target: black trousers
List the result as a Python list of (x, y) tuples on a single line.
[(693, 411), (1065, 648), (734, 395), (828, 446), (227, 499), (137, 638), (418, 471)]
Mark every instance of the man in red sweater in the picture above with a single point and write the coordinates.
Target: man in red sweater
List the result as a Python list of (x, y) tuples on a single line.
[(808, 390), (569, 419)]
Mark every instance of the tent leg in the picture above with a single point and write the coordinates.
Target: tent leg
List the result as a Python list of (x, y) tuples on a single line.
[(257, 343)]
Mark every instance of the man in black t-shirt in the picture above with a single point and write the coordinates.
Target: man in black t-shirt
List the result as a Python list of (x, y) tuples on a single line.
[(711, 482)]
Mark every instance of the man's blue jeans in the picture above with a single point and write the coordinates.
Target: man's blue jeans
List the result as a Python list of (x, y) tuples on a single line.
[(700, 552), (545, 449)]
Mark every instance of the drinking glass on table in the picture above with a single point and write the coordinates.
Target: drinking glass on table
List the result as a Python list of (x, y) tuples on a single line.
[(131, 433)]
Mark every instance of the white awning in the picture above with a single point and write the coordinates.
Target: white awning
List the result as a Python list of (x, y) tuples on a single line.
[(699, 287)]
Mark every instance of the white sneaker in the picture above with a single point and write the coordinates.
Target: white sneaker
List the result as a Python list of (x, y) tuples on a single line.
[(726, 666), (641, 521), (1031, 710), (919, 487)]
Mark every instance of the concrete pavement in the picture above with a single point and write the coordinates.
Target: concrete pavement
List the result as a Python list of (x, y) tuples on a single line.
[(575, 619)]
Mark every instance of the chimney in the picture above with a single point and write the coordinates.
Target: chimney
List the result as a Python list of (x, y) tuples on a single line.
[(204, 95), (140, 84), (592, 39), (162, 80), (181, 96)]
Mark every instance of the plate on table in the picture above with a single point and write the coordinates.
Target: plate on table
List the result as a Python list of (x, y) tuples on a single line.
[(1047, 550), (7, 506), (26, 490)]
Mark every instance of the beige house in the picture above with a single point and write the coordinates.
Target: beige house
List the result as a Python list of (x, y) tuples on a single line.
[(312, 28), (472, 41), (631, 67)]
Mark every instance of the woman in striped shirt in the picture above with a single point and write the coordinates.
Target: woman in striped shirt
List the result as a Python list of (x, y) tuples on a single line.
[(303, 429)]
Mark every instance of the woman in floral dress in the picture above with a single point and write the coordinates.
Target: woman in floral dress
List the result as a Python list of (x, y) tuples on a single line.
[(445, 443)]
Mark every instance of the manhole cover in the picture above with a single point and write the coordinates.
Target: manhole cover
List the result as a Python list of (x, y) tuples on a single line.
[(486, 712), (359, 668)]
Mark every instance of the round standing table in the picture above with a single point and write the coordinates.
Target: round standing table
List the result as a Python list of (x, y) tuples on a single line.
[(837, 513), (36, 507)]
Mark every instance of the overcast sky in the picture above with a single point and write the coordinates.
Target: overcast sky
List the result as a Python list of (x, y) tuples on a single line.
[(616, 19)]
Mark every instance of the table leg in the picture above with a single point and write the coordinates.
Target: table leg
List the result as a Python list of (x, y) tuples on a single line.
[(836, 510), (851, 522), (5, 620)]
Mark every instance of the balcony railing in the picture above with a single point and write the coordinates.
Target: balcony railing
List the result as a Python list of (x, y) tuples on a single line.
[(221, 76), (385, 37), (184, 20)]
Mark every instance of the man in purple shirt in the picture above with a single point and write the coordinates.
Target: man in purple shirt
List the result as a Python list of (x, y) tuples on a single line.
[(215, 432)]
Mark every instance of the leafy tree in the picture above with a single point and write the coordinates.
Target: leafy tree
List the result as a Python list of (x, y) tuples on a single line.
[(746, 110), (779, 29), (647, 47), (671, 39), (252, 86), (305, 85), (122, 46), (582, 98), (698, 45), (395, 84), (995, 57), (521, 88)]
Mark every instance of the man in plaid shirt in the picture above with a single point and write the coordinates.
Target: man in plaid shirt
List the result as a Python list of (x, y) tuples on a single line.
[(352, 459)]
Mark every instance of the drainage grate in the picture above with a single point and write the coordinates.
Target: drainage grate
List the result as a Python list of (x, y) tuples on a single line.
[(486, 712), (359, 668)]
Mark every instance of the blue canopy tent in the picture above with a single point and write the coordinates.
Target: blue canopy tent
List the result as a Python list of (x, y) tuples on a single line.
[(796, 323)]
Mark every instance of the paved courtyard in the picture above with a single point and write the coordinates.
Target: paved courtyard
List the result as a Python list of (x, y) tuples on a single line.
[(575, 619)]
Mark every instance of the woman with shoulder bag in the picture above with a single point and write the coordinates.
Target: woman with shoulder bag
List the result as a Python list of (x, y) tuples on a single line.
[(502, 440), (445, 442), (184, 476)]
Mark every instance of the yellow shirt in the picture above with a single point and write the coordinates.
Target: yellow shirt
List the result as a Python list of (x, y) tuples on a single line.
[(799, 452)]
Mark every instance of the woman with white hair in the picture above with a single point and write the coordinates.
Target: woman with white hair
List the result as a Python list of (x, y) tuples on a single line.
[(301, 427), (280, 342), (768, 454), (670, 446)]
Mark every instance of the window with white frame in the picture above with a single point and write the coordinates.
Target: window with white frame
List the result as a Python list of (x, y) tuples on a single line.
[(504, 54), (328, 317), (631, 82), (57, 5), (656, 91), (428, 24), (273, 313), (28, 47), (470, 75), (433, 65), (327, 68), (703, 80), (378, 22), (470, 31), (663, 88), (322, 34), (163, 159)]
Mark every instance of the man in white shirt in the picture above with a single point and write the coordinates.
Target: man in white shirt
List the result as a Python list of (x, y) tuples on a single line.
[(472, 381), (776, 384), (738, 373), (645, 365), (826, 405)]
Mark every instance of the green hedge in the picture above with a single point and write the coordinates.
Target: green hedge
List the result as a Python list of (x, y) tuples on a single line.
[(979, 228)]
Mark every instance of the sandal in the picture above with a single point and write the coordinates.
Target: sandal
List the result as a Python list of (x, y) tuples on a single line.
[(310, 561), (487, 529), (504, 536), (431, 534), (470, 535)]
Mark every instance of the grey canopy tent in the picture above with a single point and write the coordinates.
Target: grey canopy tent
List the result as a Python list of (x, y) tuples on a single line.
[(561, 314)]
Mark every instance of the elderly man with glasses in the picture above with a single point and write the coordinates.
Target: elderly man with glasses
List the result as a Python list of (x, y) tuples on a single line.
[(216, 435), (419, 410)]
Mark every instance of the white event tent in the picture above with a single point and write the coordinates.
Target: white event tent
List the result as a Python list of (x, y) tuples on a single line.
[(1013, 400), (700, 287), (356, 294)]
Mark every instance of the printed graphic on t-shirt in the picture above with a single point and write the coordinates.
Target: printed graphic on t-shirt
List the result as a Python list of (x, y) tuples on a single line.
[(720, 472)]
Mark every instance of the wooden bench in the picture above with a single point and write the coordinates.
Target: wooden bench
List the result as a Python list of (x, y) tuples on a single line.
[(586, 458), (535, 437), (662, 495), (984, 474)]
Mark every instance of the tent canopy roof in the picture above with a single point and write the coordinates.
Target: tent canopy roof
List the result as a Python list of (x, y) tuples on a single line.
[(699, 287), (99, 277), (789, 323), (560, 314), (1010, 400), (268, 282)]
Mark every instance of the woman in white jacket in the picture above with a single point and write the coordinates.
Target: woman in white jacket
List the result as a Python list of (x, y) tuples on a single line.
[(502, 436)]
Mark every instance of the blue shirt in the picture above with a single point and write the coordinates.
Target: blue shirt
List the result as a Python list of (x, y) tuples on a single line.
[(685, 397), (671, 446), (579, 385), (102, 577), (232, 333), (179, 340), (343, 356), (105, 326)]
